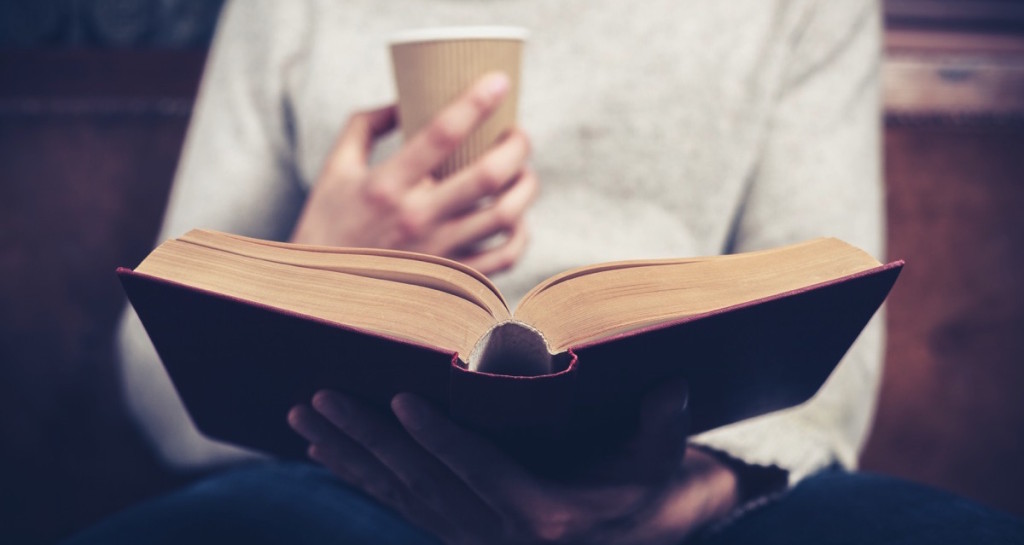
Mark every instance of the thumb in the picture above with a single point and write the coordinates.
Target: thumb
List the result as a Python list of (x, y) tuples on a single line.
[(357, 137), (664, 413), (656, 448), (662, 432)]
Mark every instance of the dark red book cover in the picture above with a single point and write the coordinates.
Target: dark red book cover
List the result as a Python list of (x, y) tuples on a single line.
[(239, 367)]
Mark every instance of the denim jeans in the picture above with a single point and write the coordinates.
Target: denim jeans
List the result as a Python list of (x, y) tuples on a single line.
[(296, 503)]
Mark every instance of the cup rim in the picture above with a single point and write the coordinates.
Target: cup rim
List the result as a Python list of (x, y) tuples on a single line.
[(473, 32)]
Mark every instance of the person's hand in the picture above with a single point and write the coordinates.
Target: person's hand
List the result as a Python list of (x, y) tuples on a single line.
[(398, 205), (463, 489)]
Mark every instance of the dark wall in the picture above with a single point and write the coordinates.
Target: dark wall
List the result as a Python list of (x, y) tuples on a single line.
[(83, 184), (107, 23), (95, 97)]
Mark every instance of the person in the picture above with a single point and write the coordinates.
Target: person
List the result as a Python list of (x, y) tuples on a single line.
[(658, 129)]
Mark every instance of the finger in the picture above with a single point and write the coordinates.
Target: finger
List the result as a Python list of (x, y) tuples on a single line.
[(354, 465), (501, 258), (310, 425), (346, 454), (357, 137), (502, 215), (495, 478), (428, 148), (487, 177), (421, 474), (383, 487)]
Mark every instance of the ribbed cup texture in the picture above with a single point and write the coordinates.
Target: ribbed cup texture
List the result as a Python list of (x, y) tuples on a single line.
[(431, 74)]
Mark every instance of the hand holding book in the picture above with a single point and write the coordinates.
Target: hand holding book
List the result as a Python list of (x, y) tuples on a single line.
[(461, 488)]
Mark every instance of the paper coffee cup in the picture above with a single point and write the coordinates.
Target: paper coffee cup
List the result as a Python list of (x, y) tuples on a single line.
[(433, 66)]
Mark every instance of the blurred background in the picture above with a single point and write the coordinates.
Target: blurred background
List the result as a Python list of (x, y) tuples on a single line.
[(95, 97)]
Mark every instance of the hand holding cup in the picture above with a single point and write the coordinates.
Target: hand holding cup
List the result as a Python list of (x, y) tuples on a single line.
[(398, 204)]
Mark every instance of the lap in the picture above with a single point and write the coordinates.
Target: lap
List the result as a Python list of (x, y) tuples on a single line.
[(299, 503), (838, 507), (262, 504)]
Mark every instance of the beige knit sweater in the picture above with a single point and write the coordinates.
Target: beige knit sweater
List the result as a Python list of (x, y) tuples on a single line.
[(660, 128)]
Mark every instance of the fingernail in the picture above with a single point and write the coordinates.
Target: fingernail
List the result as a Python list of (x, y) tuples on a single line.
[(404, 408), (495, 85), (326, 402), (294, 416)]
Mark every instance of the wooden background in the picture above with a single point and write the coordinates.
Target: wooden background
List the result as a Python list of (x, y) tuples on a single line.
[(94, 101), (951, 412)]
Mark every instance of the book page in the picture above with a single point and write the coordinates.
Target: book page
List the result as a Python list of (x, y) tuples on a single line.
[(415, 312), (593, 303), (406, 267)]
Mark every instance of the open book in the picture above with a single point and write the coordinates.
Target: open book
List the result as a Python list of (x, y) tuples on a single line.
[(246, 328)]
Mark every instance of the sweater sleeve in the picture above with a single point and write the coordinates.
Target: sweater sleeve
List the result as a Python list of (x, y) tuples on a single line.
[(819, 175), (235, 175)]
